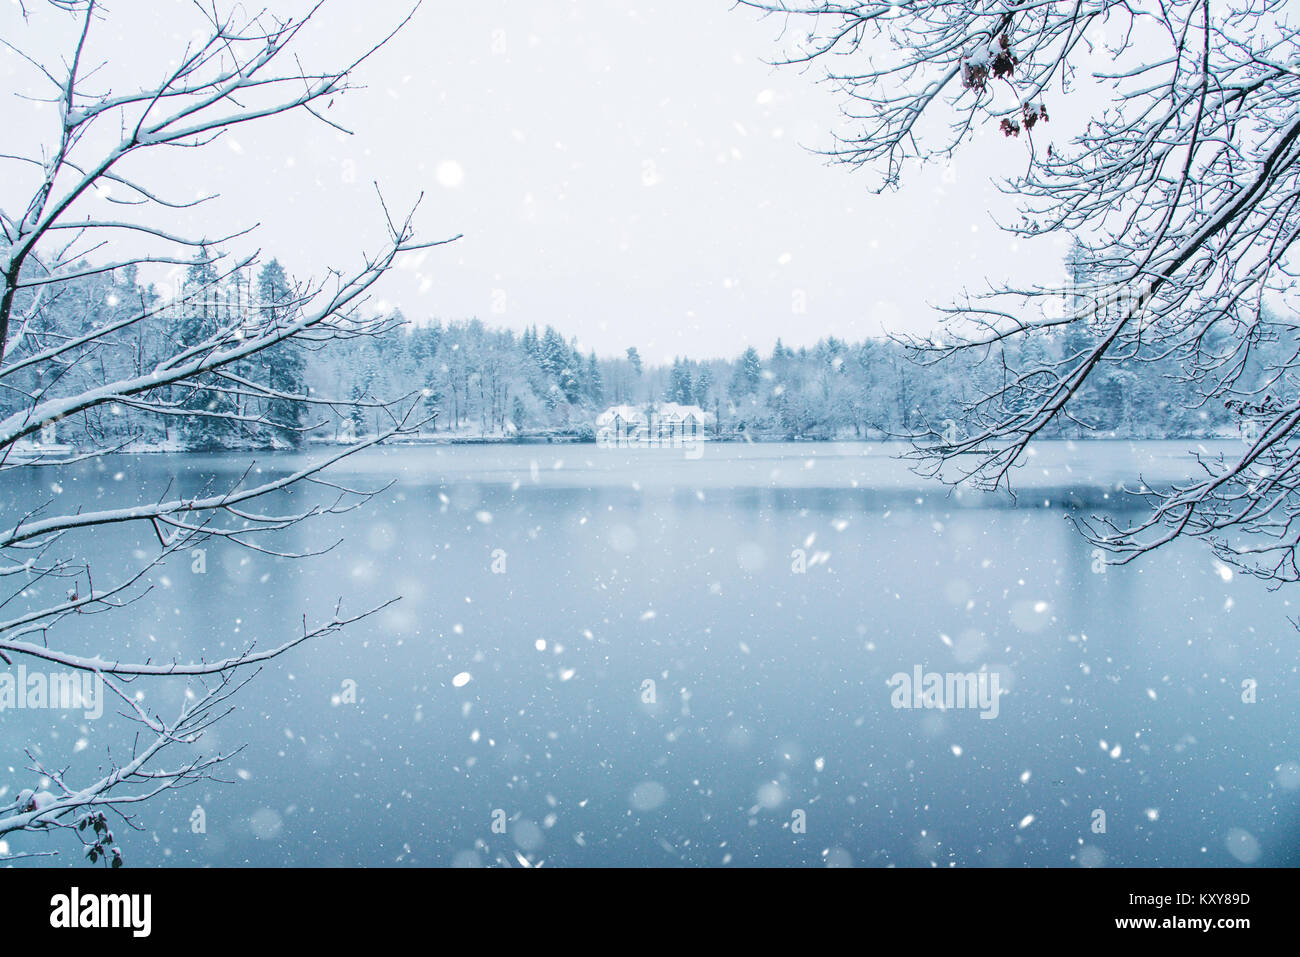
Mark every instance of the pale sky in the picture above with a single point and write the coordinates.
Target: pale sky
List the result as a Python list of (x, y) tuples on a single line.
[(632, 175)]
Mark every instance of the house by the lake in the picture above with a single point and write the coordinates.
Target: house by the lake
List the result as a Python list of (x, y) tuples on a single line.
[(661, 425)]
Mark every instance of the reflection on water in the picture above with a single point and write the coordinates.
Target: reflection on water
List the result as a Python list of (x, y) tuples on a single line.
[(688, 662)]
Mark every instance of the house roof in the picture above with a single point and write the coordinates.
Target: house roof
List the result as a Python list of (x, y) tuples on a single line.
[(664, 411)]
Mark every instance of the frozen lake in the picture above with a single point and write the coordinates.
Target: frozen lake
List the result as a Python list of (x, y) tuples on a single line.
[(687, 661)]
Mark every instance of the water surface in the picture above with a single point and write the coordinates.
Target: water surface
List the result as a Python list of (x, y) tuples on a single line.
[(769, 593)]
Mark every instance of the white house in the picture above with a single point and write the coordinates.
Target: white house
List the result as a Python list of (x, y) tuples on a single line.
[(663, 424)]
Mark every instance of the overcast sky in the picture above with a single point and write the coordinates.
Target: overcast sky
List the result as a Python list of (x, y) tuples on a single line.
[(631, 174)]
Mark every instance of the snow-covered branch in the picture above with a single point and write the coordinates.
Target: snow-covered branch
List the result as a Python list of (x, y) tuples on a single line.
[(79, 345), (1176, 174)]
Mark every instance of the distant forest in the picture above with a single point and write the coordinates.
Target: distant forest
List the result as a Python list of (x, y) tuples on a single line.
[(491, 382)]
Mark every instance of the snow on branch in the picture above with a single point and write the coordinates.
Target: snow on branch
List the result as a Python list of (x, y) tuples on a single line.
[(1171, 164), (78, 345)]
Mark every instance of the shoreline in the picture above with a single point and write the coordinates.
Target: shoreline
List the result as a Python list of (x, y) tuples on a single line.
[(36, 453)]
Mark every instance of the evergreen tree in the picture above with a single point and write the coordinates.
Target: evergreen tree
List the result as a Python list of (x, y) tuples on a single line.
[(285, 366), (748, 374), (703, 383), (553, 354), (679, 384), (595, 385), (197, 322), (570, 386), (357, 414)]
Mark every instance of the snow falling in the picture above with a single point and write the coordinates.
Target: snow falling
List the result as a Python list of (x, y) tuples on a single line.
[(575, 470)]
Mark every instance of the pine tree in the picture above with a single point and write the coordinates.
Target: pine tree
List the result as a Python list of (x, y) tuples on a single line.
[(595, 385), (679, 384), (569, 385), (196, 323), (357, 414), (748, 374), (553, 354), (703, 383), (285, 366)]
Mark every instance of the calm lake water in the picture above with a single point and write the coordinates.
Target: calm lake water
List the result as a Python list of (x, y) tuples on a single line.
[(680, 661)]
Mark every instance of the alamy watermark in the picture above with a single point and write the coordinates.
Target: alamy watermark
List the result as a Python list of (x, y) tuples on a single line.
[(57, 691), (670, 426), (948, 690)]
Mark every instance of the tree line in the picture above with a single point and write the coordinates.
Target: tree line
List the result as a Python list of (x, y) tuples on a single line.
[(466, 379)]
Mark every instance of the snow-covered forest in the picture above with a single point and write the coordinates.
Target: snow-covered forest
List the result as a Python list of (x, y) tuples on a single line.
[(471, 379), (367, 290)]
